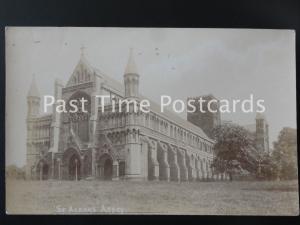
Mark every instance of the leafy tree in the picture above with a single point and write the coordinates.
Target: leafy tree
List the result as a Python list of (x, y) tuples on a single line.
[(285, 154), (267, 168), (234, 150), (14, 172)]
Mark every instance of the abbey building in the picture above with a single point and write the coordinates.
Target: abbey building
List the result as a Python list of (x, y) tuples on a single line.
[(112, 145)]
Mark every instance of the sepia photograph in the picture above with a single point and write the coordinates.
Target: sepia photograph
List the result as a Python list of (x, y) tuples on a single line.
[(158, 121)]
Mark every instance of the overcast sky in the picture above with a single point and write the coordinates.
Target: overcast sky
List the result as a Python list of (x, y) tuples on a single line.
[(228, 63)]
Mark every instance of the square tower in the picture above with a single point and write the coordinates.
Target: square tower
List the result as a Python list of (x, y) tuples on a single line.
[(206, 119)]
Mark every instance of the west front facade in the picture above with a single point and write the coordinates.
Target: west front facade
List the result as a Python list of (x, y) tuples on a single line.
[(112, 145)]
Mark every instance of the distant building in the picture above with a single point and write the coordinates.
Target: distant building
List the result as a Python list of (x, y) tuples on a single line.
[(260, 131), (206, 120)]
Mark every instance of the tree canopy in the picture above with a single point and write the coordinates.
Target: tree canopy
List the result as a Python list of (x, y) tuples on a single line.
[(285, 154), (234, 150)]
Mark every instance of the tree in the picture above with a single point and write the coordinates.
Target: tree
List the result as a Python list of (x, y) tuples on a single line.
[(234, 150), (14, 172), (267, 167), (285, 154)]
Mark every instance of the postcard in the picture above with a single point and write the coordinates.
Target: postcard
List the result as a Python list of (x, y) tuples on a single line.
[(177, 121)]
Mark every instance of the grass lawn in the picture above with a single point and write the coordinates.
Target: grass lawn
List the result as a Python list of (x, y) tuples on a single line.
[(208, 198)]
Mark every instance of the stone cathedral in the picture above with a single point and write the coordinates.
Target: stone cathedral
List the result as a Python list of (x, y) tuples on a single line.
[(112, 145)]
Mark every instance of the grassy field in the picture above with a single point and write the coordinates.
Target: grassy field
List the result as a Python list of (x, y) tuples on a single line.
[(208, 198)]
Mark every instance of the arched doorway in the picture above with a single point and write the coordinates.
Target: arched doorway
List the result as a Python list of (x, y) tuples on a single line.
[(45, 171), (108, 169), (105, 167), (122, 169), (71, 165), (74, 167), (42, 171), (87, 166)]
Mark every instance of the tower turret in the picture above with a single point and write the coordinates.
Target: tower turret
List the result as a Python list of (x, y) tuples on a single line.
[(262, 133), (33, 100), (131, 78), (133, 156), (33, 105)]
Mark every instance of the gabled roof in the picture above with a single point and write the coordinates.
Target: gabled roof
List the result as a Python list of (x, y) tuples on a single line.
[(81, 66)]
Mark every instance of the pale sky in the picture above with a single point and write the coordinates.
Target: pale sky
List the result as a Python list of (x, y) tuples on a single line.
[(228, 63)]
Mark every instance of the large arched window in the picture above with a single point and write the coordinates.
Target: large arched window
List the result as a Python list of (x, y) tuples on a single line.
[(80, 120)]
